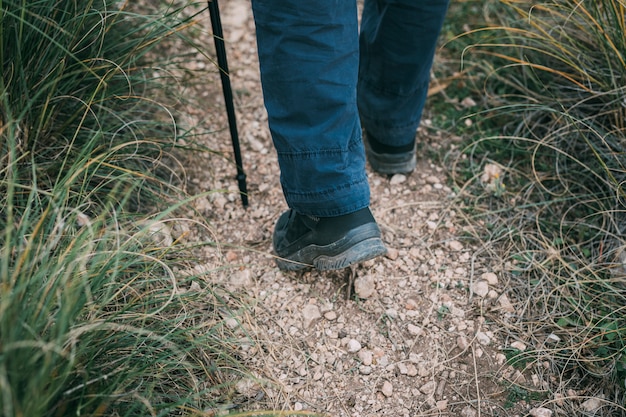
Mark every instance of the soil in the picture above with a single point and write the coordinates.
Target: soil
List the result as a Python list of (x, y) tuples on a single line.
[(408, 334)]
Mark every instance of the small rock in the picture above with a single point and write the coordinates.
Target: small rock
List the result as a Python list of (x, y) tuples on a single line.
[(506, 304), (330, 315), (540, 412), (365, 370), (397, 179), (231, 256), (402, 368), (310, 313), (411, 370), (365, 286), (518, 345), (455, 245), (366, 357), (392, 313), (480, 288), (354, 346), (483, 338), (231, 323), (429, 388), (552, 338), (462, 343), (160, 234), (415, 330), (592, 404), (442, 405), (468, 102), (431, 179), (392, 254), (490, 277), (411, 304), (387, 389)]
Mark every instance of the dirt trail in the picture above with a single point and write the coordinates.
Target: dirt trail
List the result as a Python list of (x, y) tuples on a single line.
[(411, 337)]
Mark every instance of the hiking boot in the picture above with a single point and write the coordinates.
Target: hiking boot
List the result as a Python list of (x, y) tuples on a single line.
[(390, 160), (326, 243)]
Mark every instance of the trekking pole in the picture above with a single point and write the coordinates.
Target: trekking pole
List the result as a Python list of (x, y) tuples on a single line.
[(220, 49)]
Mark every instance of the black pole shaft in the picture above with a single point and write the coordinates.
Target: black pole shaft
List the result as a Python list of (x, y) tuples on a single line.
[(222, 62)]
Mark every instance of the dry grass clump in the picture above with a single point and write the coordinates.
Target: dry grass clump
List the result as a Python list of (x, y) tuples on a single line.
[(93, 319), (554, 88)]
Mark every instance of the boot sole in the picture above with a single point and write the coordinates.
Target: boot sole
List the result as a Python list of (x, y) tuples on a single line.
[(359, 245)]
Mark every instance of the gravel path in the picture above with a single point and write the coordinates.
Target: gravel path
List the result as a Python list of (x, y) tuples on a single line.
[(405, 335)]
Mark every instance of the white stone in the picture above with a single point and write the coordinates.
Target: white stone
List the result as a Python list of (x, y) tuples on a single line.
[(414, 330), (429, 388), (330, 315), (397, 179), (442, 405), (310, 313), (387, 389), (402, 368), (354, 346), (392, 254), (462, 343), (483, 338), (518, 345), (365, 370), (540, 412), (490, 277), (480, 288), (592, 404), (366, 356), (365, 286), (455, 245), (506, 304)]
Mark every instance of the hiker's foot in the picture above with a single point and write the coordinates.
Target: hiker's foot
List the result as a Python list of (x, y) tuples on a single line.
[(390, 160), (326, 243)]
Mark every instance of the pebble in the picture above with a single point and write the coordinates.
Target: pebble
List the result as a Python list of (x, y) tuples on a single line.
[(442, 405), (518, 345), (397, 179), (330, 315), (392, 254), (480, 288), (462, 343), (490, 277), (365, 370), (310, 313), (429, 388), (354, 346), (365, 286), (540, 412), (506, 304), (415, 330), (592, 404), (366, 357), (455, 245), (483, 338), (387, 389)]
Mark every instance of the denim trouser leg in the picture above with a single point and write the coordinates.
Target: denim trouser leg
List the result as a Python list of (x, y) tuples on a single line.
[(397, 45), (308, 53)]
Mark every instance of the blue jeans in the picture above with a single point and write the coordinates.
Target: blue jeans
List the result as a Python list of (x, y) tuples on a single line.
[(322, 81)]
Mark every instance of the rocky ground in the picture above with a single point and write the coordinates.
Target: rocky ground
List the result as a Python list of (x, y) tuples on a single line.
[(409, 334)]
